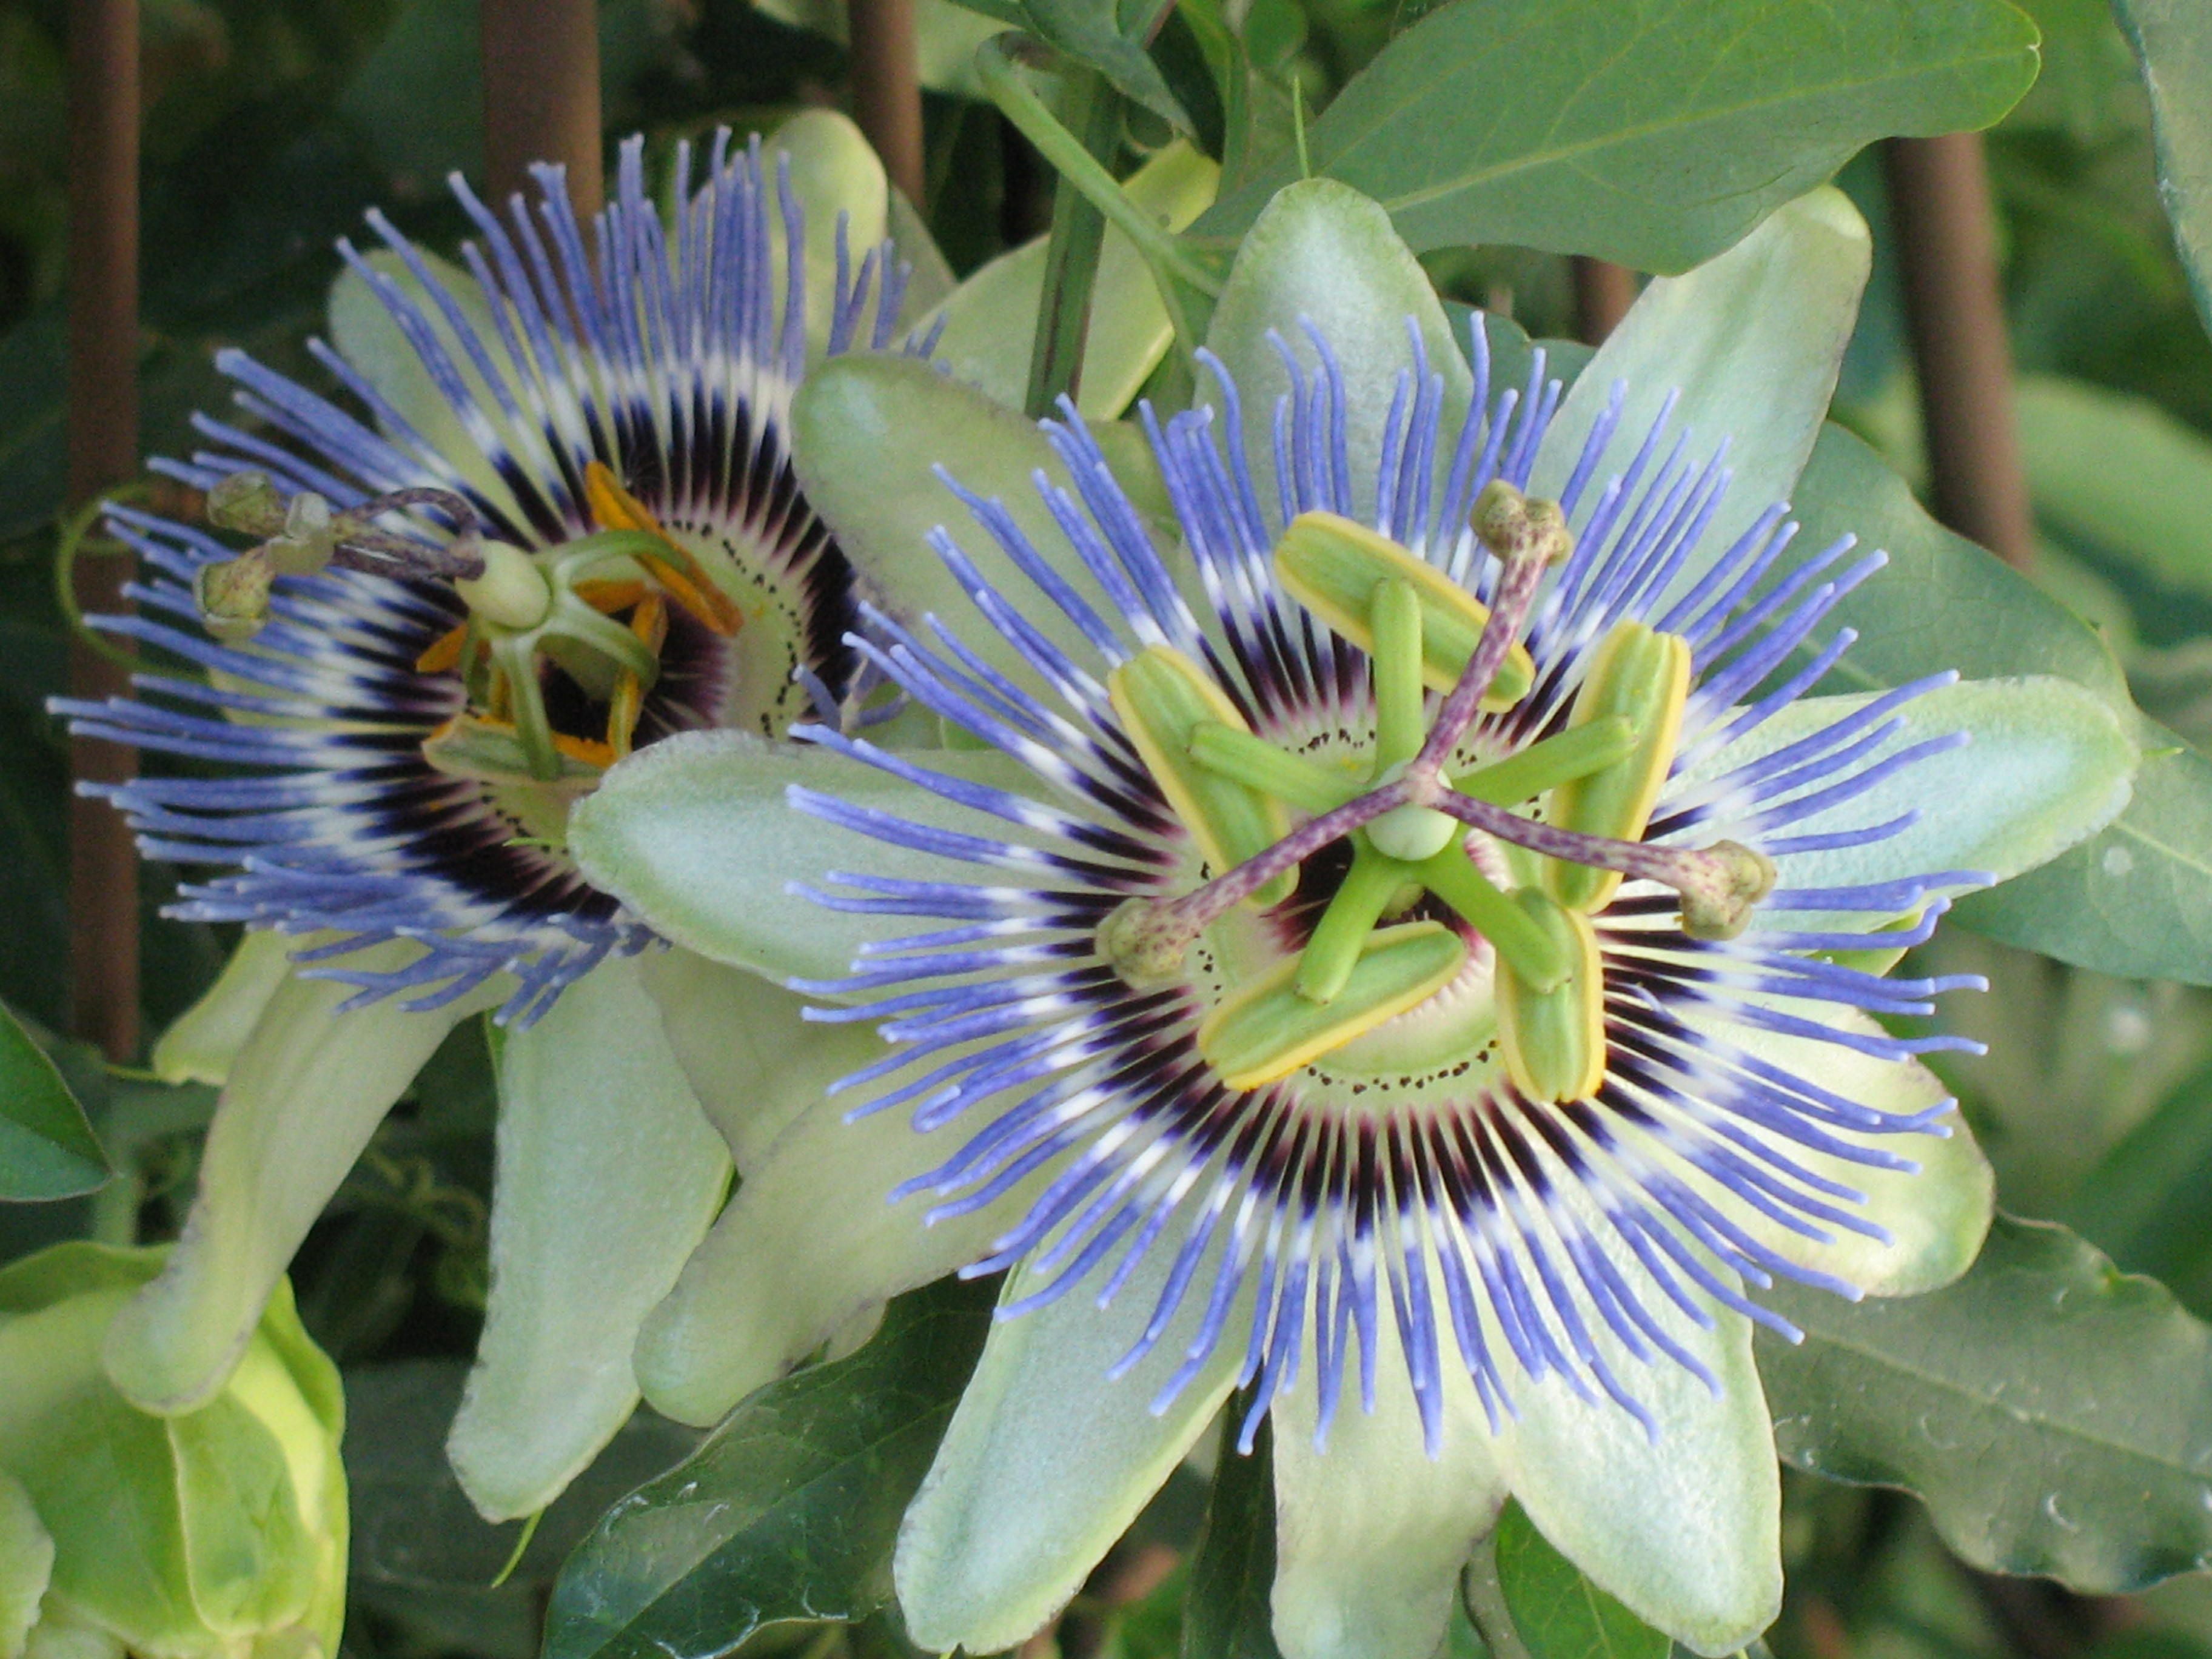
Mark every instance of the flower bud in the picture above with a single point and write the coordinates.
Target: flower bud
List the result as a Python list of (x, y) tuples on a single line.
[(234, 1514), (246, 501), (233, 595)]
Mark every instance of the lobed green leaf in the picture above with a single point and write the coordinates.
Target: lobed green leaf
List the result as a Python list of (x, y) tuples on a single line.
[(1557, 1613), (47, 1148)]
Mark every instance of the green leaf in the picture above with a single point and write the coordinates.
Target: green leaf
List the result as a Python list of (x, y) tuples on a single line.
[(2135, 900), (1089, 30), (47, 1149), (2142, 1202), (1655, 132), (2119, 478), (1559, 1614), (2055, 1414), (2172, 40), (789, 1511), (1227, 1613)]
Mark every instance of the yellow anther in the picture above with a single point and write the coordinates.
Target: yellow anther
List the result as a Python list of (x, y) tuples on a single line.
[(613, 508), (649, 622), (1162, 699), (1643, 676), (444, 652), (471, 746), (1332, 566), (1267, 1031), (1554, 1040)]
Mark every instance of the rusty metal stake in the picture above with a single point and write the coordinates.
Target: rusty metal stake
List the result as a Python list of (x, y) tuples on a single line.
[(103, 451), (541, 94), (887, 90), (1603, 293), (1939, 204)]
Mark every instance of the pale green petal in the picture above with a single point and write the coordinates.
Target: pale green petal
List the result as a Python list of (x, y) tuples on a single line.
[(1936, 1216), (833, 173), (694, 833), (1684, 1528), (754, 1061), (808, 1244), (1048, 1461), (607, 1176), (867, 434), (1323, 253), (366, 335), (305, 1094), (929, 278), (27, 1562), (2049, 765), (1371, 1535), (1751, 339), (206, 1037), (58, 1637), (990, 319)]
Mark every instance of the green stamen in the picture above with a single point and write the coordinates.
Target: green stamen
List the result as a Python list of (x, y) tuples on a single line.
[(1258, 764), (1394, 612), (1519, 942), (1574, 753), (1267, 1030), (1644, 676), (1553, 1036), (1325, 964)]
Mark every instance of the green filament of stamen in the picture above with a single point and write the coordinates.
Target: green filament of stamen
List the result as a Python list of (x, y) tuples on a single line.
[(1574, 753), (1531, 951), (1325, 964), (1395, 613), (1258, 764)]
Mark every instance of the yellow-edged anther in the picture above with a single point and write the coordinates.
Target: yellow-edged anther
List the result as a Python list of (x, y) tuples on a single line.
[(649, 622), (1332, 566), (444, 652), (613, 508), (1644, 676), (1554, 1040), (469, 746), (1162, 698), (1267, 1031), (607, 598)]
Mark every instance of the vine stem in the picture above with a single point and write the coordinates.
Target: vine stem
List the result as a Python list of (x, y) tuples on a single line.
[(1070, 261)]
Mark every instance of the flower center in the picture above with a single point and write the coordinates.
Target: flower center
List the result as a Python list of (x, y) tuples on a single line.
[(1414, 831)]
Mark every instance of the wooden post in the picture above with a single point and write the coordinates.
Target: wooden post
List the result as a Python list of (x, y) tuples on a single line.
[(103, 451), (541, 92), (887, 90), (1603, 293), (1939, 204)]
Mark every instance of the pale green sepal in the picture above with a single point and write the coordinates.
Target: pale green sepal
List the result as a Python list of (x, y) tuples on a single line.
[(833, 172), (990, 319), (929, 276), (755, 1062), (607, 1177), (1753, 340), (366, 335), (1371, 1535), (206, 1037), (2049, 764), (305, 1094), (27, 1563), (867, 434), (1936, 1216), (1323, 252), (696, 834), (810, 1243), (1047, 1460), (1685, 1529)]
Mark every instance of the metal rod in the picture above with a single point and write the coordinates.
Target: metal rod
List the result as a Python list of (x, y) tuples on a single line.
[(1603, 293), (887, 90), (541, 94), (103, 451), (1939, 201)]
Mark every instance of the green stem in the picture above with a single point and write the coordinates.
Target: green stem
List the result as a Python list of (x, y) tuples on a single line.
[(1574, 753), (1187, 288), (1070, 261)]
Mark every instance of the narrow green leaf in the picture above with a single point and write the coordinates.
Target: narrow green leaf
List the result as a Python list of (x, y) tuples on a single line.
[(2172, 40), (1089, 30), (1655, 132), (789, 1511), (2054, 1413), (1229, 1612), (1557, 1613), (2143, 1204), (2119, 478), (47, 1149)]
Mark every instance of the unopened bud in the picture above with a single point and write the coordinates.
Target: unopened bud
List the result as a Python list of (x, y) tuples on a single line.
[(1516, 526), (512, 592), (233, 595), (1719, 905), (246, 501)]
